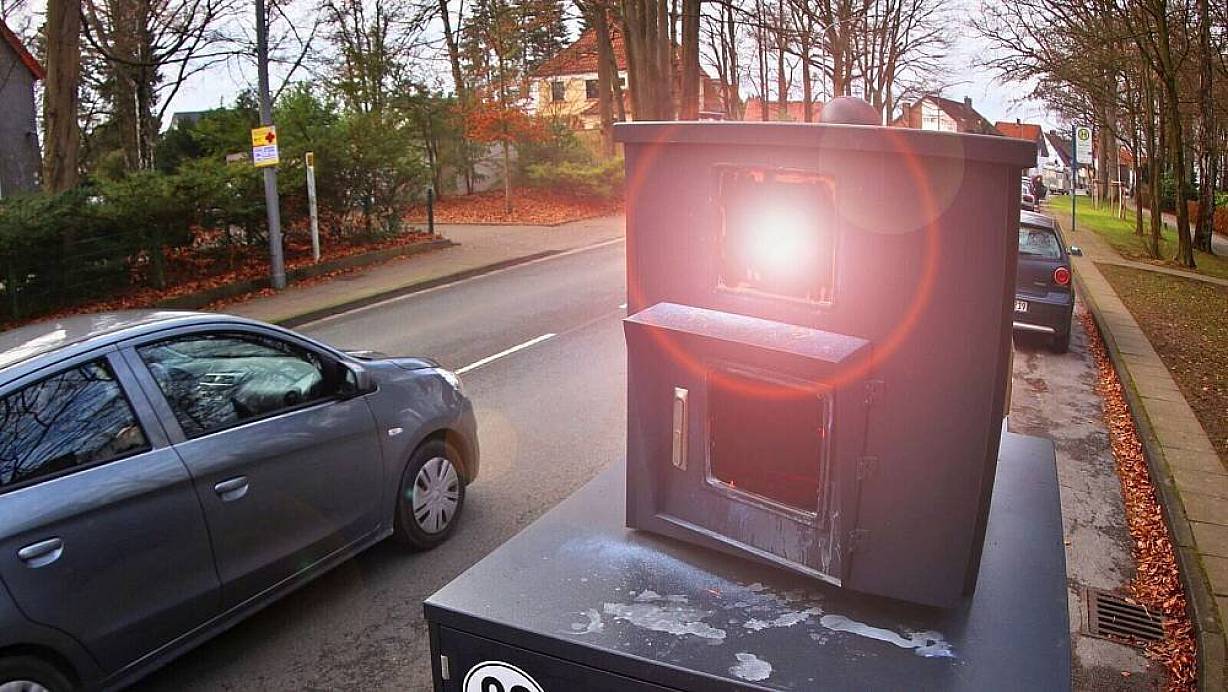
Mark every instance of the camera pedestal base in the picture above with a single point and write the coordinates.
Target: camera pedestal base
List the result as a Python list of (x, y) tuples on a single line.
[(579, 602)]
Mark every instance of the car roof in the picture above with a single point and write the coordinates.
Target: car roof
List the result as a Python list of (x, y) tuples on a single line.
[(1031, 218), (26, 344)]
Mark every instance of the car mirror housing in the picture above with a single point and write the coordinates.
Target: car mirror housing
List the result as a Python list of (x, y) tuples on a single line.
[(355, 380)]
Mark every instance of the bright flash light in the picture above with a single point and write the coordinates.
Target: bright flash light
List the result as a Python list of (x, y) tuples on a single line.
[(779, 234), (782, 243)]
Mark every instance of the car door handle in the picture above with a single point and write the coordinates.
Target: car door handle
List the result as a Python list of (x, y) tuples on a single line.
[(42, 553), (232, 489)]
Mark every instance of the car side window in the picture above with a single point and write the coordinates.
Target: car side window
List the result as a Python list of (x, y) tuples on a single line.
[(213, 381), (75, 418), (1038, 242)]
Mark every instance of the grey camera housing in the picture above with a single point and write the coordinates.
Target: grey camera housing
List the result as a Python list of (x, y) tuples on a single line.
[(876, 378)]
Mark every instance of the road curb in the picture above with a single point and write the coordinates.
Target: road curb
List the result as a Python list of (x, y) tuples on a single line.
[(1212, 656)]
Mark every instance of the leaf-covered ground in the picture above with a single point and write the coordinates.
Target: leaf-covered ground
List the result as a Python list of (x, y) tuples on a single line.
[(529, 206), (1157, 581), (1187, 323)]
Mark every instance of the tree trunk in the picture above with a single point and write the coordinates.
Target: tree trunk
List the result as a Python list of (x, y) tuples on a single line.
[(606, 80), (1206, 177), (689, 98), (62, 138), (807, 85), (1185, 245)]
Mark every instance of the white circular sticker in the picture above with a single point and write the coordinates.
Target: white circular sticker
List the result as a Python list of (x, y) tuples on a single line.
[(497, 676)]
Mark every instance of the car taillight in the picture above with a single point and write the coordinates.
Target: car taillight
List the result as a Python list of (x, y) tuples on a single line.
[(1061, 276)]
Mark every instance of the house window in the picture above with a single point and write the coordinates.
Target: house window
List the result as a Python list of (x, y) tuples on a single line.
[(558, 91), (590, 88)]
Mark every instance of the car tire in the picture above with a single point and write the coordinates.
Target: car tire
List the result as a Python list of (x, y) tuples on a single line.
[(37, 674), (1060, 342), (430, 496)]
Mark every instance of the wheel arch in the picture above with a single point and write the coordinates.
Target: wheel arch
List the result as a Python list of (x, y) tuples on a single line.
[(47, 655)]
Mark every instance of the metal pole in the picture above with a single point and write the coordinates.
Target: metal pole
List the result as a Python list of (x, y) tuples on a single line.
[(311, 207), (277, 264), (1074, 170), (430, 210)]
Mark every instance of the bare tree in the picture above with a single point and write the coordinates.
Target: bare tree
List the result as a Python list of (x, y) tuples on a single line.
[(152, 49)]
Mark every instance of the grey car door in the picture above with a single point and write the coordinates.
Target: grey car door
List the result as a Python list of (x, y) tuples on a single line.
[(101, 534), (287, 470)]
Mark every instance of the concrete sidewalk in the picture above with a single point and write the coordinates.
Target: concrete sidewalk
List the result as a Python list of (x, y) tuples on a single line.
[(1189, 478), (480, 249)]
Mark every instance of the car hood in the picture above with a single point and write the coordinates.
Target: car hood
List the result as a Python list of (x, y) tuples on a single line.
[(405, 362)]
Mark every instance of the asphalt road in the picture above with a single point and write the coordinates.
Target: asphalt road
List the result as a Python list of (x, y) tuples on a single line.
[(551, 416)]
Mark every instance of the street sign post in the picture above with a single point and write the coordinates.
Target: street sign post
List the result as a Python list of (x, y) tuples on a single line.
[(1080, 152), (277, 259), (311, 205)]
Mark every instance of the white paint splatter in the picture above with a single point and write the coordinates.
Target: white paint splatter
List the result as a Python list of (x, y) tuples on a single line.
[(928, 644), (648, 595), (787, 619), (751, 667), (672, 619), (594, 623)]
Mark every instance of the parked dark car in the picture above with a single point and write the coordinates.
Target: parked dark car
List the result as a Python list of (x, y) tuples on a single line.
[(164, 475), (1044, 296)]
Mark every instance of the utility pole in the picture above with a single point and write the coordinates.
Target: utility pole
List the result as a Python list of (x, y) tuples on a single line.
[(277, 264)]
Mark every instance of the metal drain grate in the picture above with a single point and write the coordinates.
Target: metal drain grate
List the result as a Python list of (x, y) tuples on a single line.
[(1110, 616)]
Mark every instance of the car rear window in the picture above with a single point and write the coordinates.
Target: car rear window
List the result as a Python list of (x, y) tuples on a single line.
[(1039, 243), (76, 418)]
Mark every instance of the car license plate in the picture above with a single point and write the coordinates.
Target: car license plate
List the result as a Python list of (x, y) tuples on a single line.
[(1021, 306)]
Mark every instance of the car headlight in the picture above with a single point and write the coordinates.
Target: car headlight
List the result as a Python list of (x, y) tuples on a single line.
[(451, 378)]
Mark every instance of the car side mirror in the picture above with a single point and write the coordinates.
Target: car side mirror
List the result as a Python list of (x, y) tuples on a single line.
[(1075, 251), (355, 380)]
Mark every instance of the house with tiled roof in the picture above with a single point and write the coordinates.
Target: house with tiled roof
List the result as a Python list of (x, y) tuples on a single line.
[(1032, 133), (795, 111), (565, 86), (19, 153), (937, 113)]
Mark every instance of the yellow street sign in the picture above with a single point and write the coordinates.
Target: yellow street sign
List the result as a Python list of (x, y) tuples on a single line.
[(311, 159), (264, 136), (264, 147)]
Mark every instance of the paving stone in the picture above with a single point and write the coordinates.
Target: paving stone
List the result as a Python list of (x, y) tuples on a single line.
[(1206, 461), (1158, 409), (1182, 435), (1205, 508), (1211, 539), (1217, 573), (1202, 482), (1163, 394)]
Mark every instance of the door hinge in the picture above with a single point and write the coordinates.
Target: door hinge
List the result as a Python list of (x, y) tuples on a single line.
[(867, 466), (857, 539), (874, 391), (444, 672)]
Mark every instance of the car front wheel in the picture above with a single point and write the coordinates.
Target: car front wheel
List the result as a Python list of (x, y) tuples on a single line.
[(431, 496), (29, 674)]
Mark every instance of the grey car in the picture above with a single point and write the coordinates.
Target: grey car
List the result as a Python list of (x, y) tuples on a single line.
[(165, 474)]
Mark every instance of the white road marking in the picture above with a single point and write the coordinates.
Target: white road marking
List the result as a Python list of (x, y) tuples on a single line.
[(505, 352), (432, 289)]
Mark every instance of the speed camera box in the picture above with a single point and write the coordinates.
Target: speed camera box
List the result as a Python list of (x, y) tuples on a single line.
[(818, 344)]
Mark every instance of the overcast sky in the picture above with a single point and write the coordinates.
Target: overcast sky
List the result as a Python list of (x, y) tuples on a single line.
[(220, 85)]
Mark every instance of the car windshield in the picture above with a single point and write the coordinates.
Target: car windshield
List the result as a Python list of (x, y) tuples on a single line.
[(1039, 242)]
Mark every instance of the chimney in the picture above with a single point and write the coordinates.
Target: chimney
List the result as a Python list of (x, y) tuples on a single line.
[(968, 101), (1018, 121)]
